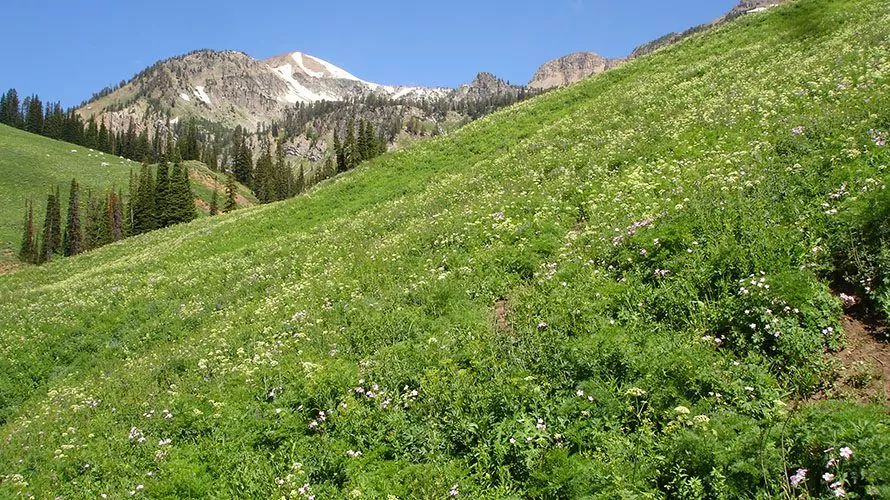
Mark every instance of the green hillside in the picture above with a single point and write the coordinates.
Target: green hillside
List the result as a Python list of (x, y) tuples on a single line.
[(31, 165), (619, 289)]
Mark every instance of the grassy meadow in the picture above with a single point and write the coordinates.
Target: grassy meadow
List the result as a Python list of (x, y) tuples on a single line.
[(32, 165), (626, 288)]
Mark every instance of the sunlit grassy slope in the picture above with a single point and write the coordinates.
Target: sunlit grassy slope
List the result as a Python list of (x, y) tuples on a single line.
[(616, 289), (32, 165)]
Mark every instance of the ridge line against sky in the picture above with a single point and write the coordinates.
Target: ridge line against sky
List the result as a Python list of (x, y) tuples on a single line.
[(66, 51)]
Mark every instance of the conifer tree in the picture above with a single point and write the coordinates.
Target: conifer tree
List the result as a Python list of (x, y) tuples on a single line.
[(330, 168), (46, 248), (214, 202), (104, 143), (115, 216), (57, 224), (11, 113), (144, 215), (97, 227), (213, 159), (73, 236), (163, 195), (187, 197), (28, 250), (181, 198), (129, 227), (243, 168), (34, 116), (89, 223), (350, 147), (301, 180), (264, 178), (339, 153), (230, 193)]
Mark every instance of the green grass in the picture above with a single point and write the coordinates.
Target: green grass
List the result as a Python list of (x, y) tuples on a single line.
[(641, 229), (32, 165)]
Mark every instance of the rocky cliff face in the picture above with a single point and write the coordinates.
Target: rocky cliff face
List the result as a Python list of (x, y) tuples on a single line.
[(569, 69)]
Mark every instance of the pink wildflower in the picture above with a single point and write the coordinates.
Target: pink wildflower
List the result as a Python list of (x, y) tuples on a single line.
[(798, 477)]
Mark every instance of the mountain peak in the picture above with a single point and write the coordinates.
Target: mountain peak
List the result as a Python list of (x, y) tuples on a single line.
[(310, 66)]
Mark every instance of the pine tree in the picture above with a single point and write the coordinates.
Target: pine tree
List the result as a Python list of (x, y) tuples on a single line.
[(46, 248), (104, 142), (56, 240), (97, 227), (115, 216), (188, 146), (214, 202), (213, 160), (144, 215), (129, 227), (3, 118), (89, 223), (181, 198), (34, 115), (243, 168), (339, 153), (11, 112), (91, 136), (73, 236), (163, 196), (301, 180), (230, 193), (350, 147), (28, 250), (187, 197)]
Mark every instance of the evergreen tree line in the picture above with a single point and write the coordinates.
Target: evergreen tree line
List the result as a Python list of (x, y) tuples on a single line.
[(358, 145), (100, 224), (30, 114), (159, 197), (270, 179), (156, 200)]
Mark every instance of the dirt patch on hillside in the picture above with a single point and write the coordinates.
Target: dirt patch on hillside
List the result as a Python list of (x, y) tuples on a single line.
[(864, 373), (9, 262), (211, 183), (501, 323)]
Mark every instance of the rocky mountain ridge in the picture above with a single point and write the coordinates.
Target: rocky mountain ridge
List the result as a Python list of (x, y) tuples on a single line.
[(580, 65)]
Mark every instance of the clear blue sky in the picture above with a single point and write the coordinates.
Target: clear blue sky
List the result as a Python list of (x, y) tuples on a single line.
[(66, 50)]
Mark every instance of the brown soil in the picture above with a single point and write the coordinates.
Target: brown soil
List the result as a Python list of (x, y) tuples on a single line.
[(8, 264), (501, 309), (211, 183), (865, 362)]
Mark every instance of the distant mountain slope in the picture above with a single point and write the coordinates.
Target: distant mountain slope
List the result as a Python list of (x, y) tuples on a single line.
[(618, 289), (231, 88)]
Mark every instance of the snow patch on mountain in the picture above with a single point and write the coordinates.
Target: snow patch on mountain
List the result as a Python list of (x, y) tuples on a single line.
[(330, 71), (296, 91), (201, 95), (185, 97)]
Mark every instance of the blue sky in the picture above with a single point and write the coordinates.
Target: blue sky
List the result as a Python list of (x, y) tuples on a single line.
[(66, 50)]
